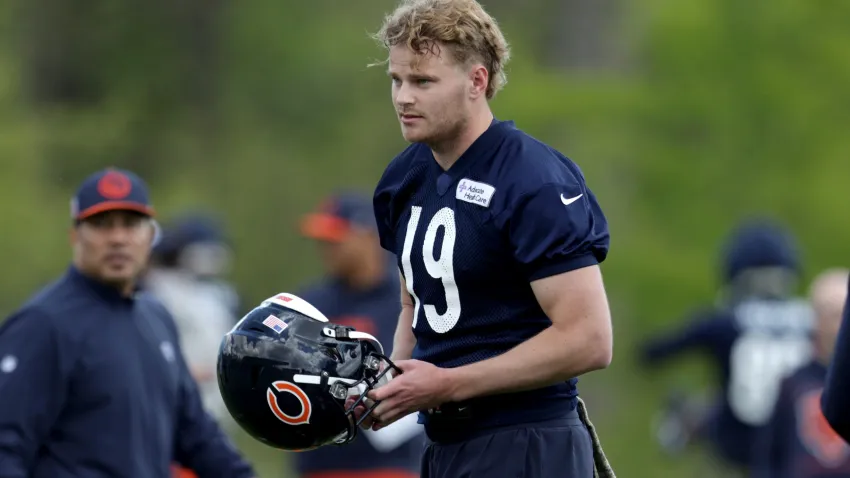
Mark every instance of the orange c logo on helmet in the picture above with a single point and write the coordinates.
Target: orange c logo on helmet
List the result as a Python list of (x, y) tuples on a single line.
[(306, 407)]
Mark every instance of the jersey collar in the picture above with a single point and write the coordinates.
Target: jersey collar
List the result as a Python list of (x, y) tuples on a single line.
[(483, 146)]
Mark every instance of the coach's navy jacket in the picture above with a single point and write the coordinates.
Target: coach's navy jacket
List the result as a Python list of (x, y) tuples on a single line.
[(93, 384)]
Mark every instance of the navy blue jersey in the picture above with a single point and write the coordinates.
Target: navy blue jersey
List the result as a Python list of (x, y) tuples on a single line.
[(470, 240), (754, 345), (94, 384), (836, 395), (374, 311), (798, 442)]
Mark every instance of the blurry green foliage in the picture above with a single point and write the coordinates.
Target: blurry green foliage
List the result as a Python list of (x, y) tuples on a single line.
[(258, 110)]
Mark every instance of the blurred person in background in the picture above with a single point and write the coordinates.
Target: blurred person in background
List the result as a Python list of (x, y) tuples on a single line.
[(835, 402), (798, 442), (93, 381), (186, 274), (360, 290), (756, 334)]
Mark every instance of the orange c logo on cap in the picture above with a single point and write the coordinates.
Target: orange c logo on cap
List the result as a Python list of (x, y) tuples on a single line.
[(306, 407), (114, 185)]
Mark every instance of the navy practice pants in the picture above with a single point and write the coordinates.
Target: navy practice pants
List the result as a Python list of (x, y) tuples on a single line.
[(560, 448)]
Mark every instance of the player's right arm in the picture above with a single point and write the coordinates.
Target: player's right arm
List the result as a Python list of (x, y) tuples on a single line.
[(386, 211), (34, 374), (404, 340), (403, 343)]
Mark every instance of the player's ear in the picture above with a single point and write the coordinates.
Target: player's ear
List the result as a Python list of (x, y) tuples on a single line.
[(479, 77), (156, 232)]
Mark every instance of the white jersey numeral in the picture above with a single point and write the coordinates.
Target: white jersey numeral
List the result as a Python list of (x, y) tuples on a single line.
[(758, 364), (442, 268)]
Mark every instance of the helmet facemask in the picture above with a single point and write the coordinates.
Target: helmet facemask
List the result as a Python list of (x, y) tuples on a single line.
[(377, 369)]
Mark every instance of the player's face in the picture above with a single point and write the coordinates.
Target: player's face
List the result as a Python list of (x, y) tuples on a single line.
[(343, 258), (113, 247), (429, 93), (337, 256)]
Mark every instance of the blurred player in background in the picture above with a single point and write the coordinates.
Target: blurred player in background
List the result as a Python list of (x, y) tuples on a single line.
[(798, 442), (360, 290), (498, 241), (836, 394), (187, 275), (756, 335), (93, 381)]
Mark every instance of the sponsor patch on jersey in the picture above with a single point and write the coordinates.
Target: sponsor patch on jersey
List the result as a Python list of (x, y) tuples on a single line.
[(475, 192)]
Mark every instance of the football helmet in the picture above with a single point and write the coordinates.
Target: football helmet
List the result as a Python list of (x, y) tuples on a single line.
[(285, 373)]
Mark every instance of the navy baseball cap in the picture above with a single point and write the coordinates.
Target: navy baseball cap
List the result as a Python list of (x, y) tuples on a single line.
[(338, 215), (111, 190)]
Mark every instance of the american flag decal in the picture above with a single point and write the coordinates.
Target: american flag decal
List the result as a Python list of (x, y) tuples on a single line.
[(275, 324)]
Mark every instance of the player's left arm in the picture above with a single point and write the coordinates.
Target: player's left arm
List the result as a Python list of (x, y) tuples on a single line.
[(580, 340), (559, 236)]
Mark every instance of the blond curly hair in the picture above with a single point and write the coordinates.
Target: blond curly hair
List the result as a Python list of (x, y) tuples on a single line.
[(463, 26)]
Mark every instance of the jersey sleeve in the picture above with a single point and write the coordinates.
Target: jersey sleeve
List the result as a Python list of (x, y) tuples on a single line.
[(395, 182), (557, 228), (382, 203), (34, 374)]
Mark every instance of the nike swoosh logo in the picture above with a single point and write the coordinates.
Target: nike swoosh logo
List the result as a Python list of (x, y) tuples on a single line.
[(568, 201)]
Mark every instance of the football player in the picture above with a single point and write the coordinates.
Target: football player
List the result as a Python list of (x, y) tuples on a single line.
[(798, 442), (499, 241), (757, 334)]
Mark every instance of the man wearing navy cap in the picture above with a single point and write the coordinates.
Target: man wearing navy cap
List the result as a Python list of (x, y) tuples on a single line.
[(361, 290), (92, 378)]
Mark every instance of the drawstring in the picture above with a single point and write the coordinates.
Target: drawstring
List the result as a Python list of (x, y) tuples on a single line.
[(601, 467)]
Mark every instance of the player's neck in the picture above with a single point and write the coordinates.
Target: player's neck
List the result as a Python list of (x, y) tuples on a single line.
[(447, 153)]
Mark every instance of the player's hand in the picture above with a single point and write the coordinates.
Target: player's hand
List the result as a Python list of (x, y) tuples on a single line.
[(363, 407), (420, 387), (360, 410)]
